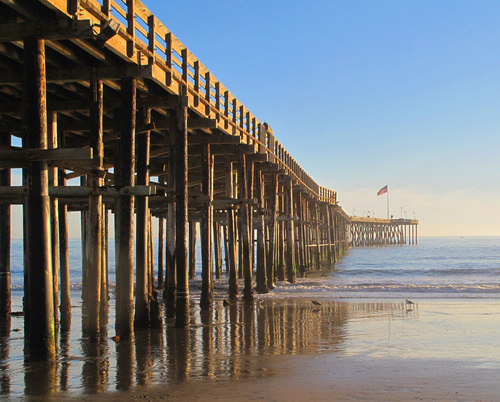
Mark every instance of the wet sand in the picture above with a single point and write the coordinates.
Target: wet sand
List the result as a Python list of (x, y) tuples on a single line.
[(440, 349)]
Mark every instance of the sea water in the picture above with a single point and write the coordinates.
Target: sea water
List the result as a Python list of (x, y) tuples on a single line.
[(437, 267), (463, 267)]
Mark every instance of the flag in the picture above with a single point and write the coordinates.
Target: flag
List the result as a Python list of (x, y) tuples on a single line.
[(382, 190)]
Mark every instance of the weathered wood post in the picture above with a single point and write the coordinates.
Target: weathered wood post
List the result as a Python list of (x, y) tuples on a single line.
[(5, 281), (65, 308), (155, 316), (231, 233), (315, 218), (142, 307), (193, 234), (54, 214), (217, 249), (206, 227), (170, 288), (225, 241), (124, 214), (307, 233), (161, 251), (93, 232), (271, 256), (326, 211), (280, 249), (245, 237), (104, 311), (40, 318), (181, 198), (300, 235), (261, 273), (290, 232), (331, 209)]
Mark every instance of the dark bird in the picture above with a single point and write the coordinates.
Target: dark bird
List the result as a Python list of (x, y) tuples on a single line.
[(316, 303), (409, 304)]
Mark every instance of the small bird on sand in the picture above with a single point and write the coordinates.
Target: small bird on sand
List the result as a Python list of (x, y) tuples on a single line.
[(316, 303), (409, 304)]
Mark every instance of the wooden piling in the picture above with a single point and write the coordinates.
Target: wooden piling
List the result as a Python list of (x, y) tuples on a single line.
[(155, 315), (104, 303), (193, 234), (161, 251), (290, 233), (94, 222), (142, 307), (301, 267), (170, 288), (181, 212), (245, 236), (206, 227), (261, 273), (124, 219), (54, 214), (37, 203), (316, 235), (280, 249), (65, 308), (271, 255), (5, 281), (231, 233), (217, 240)]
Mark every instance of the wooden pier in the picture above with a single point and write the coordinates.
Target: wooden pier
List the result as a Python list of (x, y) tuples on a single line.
[(366, 231), (101, 92)]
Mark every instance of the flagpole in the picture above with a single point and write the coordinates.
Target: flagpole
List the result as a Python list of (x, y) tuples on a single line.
[(387, 202)]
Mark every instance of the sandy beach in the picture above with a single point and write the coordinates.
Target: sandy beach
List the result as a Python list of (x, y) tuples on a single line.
[(283, 350)]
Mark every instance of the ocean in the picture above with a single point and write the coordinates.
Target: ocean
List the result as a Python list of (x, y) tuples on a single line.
[(435, 267), (359, 320)]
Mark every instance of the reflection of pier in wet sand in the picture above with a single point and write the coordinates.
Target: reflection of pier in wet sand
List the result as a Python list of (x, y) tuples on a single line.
[(223, 343)]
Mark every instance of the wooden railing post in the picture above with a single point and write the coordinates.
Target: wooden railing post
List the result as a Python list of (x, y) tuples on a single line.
[(131, 27)]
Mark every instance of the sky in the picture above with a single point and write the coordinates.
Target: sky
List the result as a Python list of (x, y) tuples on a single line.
[(365, 94), (368, 93)]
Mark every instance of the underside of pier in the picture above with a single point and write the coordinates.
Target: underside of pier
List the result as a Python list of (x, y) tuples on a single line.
[(106, 111)]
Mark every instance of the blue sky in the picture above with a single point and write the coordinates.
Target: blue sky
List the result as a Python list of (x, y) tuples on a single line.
[(369, 93)]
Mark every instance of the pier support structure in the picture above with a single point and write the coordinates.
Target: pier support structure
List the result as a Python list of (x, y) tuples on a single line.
[(147, 132)]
